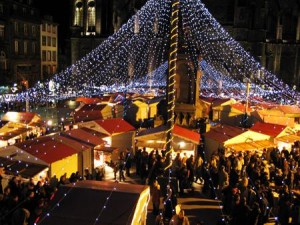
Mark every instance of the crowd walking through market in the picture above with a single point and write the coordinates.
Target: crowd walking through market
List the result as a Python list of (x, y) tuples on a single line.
[(252, 186)]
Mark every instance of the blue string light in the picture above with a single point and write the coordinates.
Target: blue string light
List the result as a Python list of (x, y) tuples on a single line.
[(106, 67)]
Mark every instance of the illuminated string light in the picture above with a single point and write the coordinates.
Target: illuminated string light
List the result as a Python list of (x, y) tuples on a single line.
[(106, 67), (174, 21)]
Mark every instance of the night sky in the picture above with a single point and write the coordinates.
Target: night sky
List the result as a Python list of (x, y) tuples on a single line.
[(60, 10)]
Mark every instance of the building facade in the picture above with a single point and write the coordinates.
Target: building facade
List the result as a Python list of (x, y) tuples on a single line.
[(267, 29), (49, 47), (95, 20), (19, 42)]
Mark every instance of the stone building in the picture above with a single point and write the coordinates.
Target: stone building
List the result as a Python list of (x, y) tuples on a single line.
[(19, 41), (268, 29), (49, 47), (94, 20)]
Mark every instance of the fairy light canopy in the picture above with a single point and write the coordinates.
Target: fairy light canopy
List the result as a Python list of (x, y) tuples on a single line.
[(141, 47)]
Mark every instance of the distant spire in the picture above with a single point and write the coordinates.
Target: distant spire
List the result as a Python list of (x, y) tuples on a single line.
[(136, 24), (155, 26)]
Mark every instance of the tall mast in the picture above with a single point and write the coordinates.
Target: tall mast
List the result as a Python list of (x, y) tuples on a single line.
[(174, 18)]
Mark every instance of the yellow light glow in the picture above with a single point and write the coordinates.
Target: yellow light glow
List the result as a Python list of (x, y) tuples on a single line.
[(181, 144), (49, 122), (285, 145), (108, 141)]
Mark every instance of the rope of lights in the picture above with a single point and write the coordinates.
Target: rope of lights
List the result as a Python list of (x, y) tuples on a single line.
[(106, 67), (171, 77)]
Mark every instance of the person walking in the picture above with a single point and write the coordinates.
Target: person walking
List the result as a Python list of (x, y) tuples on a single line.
[(121, 167), (87, 174), (179, 219), (155, 194), (127, 162), (223, 178), (170, 201), (198, 170)]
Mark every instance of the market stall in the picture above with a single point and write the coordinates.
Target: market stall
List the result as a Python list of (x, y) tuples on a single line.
[(184, 140), (98, 202)]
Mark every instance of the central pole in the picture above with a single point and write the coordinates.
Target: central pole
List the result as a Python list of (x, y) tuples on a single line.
[(171, 78)]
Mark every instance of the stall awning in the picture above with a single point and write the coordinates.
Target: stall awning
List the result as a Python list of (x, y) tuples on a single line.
[(83, 137), (86, 199), (289, 138), (106, 149), (47, 149), (159, 134), (22, 168), (153, 144), (248, 146), (77, 145), (14, 133), (115, 126), (20, 117), (186, 134)]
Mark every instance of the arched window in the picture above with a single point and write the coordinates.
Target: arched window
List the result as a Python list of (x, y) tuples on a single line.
[(2, 60), (78, 18), (91, 16)]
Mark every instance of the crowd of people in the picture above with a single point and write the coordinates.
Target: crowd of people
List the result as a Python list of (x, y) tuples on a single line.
[(252, 186), (255, 186), (22, 202)]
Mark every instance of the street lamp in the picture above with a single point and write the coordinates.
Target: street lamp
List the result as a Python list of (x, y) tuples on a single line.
[(248, 86), (25, 85), (49, 124), (62, 123), (14, 88)]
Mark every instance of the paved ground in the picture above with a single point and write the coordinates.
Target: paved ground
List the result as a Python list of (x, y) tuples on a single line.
[(197, 207)]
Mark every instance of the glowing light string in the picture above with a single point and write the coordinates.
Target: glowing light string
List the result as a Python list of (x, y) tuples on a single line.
[(171, 78), (105, 68), (41, 219)]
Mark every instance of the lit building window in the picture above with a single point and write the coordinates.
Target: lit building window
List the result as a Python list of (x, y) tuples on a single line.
[(91, 17), (48, 55), (49, 69), (33, 47), (53, 42), (25, 29), (2, 60), (16, 27), (1, 31), (33, 29), (25, 47), (78, 18), (48, 41), (44, 40), (298, 30), (54, 56), (16, 47), (43, 56)]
